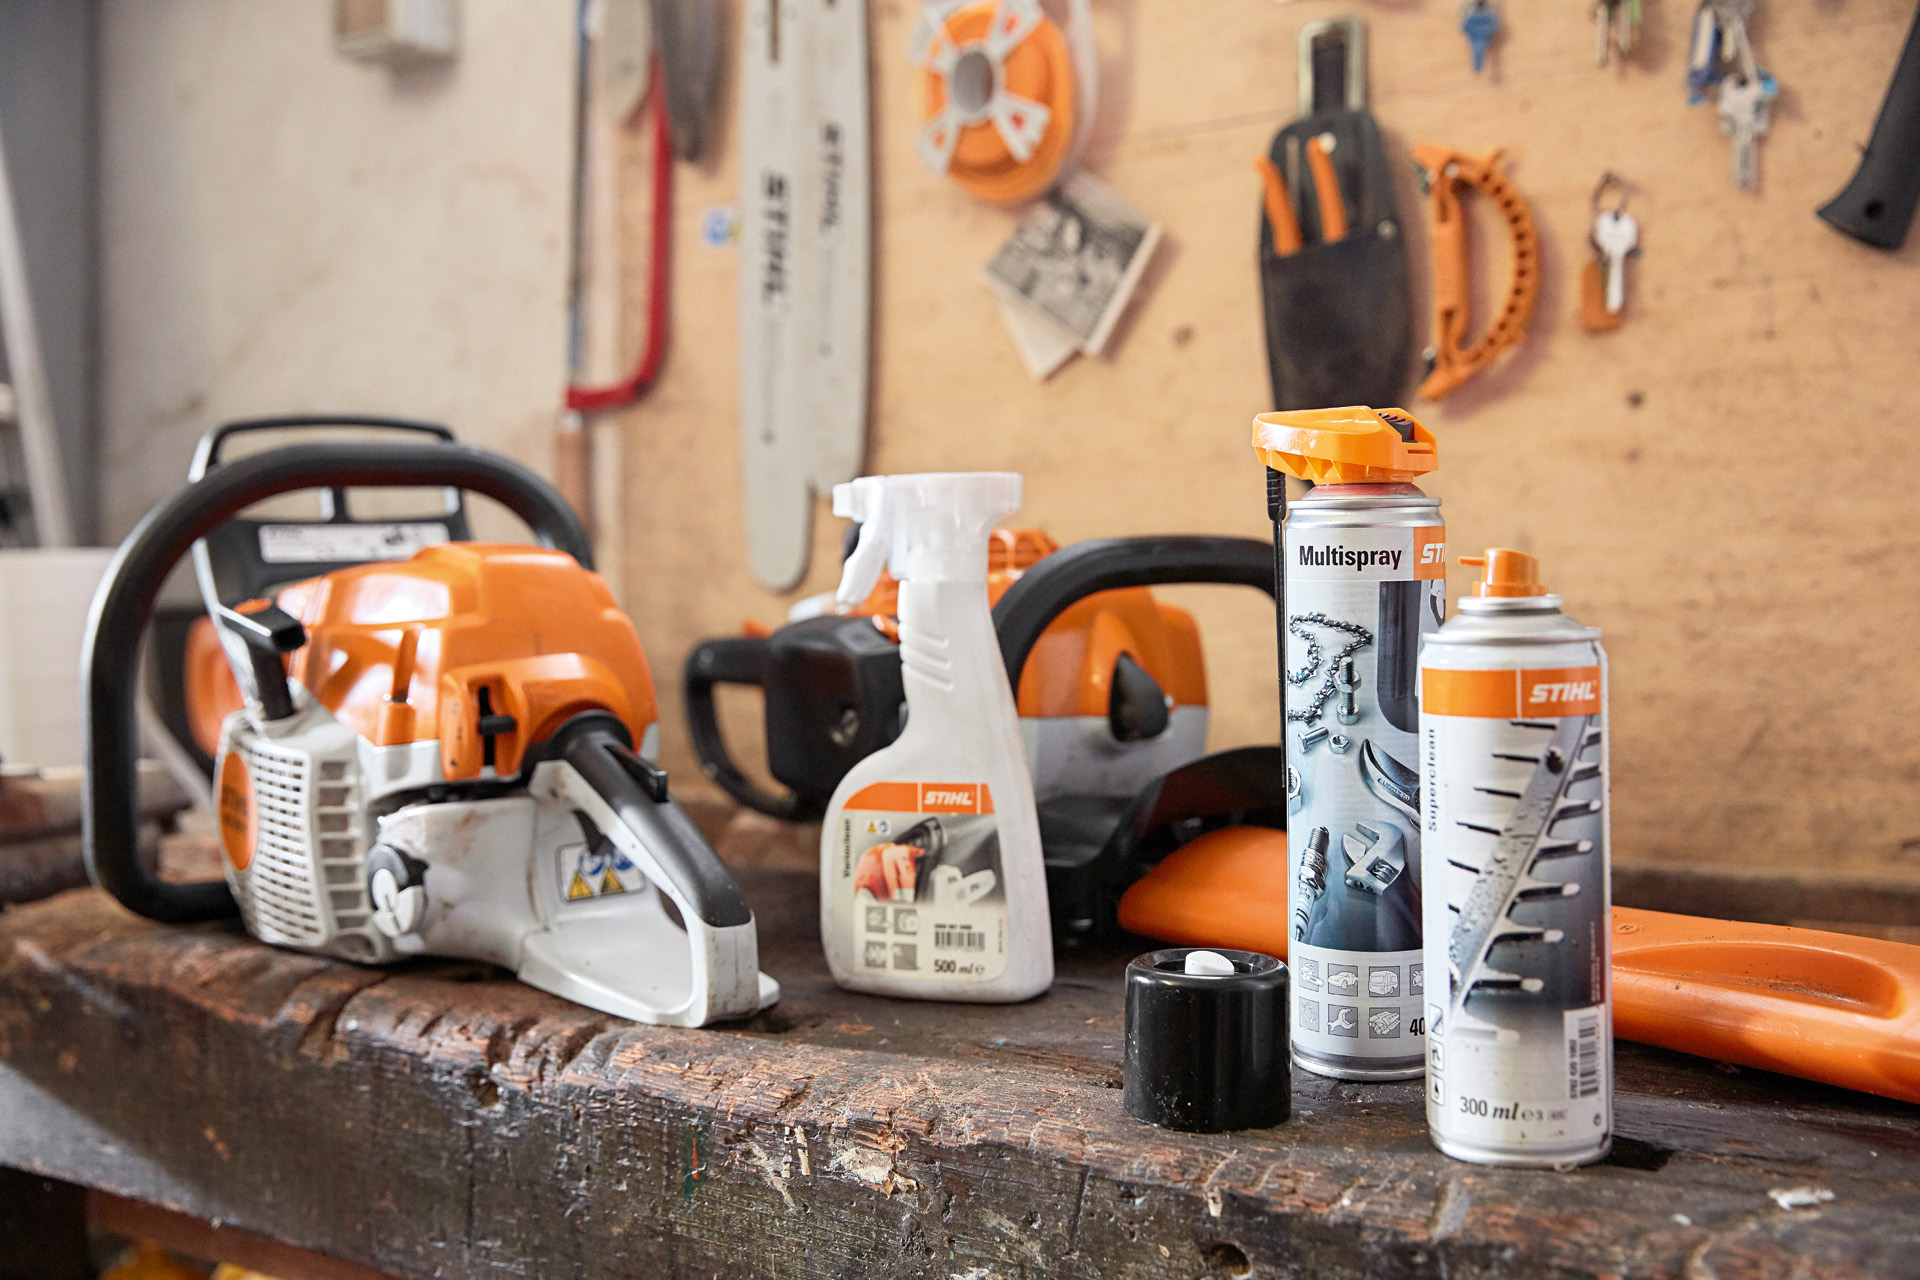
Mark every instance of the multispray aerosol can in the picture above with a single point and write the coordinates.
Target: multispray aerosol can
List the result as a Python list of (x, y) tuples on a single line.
[(1513, 756), (1361, 576)]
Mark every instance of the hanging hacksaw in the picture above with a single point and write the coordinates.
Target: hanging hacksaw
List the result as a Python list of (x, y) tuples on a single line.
[(805, 263)]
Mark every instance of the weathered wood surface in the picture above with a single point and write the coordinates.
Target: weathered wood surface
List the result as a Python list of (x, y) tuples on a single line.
[(441, 1120)]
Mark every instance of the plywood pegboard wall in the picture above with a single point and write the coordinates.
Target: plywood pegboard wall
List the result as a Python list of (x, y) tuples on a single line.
[(1724, 485)]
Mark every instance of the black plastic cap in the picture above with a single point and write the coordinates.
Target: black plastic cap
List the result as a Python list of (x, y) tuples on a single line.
[(1207, 1053)]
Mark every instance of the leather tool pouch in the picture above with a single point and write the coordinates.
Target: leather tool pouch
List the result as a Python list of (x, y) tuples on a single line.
[(1339, 316)]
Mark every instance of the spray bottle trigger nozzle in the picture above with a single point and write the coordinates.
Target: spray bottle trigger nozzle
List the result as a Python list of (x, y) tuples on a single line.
[(861, 571)]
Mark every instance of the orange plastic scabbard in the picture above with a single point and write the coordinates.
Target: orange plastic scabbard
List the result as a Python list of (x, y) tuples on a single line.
[(1823, 1006)]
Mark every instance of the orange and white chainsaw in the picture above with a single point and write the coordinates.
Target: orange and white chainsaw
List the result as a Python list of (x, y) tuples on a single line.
[(436, 754)]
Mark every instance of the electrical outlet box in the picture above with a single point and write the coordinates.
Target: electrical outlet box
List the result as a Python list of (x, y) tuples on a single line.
[(396, 31)]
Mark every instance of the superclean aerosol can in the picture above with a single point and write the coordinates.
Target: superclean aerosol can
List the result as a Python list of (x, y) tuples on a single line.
[(1361, 578), (1513, 758)]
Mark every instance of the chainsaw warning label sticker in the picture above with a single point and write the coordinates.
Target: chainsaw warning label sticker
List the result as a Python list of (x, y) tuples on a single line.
[(321, 543), (595, 868), (917, 881)]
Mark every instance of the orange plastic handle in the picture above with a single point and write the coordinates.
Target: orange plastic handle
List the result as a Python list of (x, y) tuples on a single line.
[(1280, 215), (1824, 1006), (1326, 192), (1453, 360)]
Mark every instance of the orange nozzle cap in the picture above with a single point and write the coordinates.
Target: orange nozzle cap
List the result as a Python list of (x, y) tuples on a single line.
[(1509, 573), (1355, 445)]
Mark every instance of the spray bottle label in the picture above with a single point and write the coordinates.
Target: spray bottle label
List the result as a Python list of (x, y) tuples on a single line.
[(1520, 1039), (1359, 598), (917, 874)]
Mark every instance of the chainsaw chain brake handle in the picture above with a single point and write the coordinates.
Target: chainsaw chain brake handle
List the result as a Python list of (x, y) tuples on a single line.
[(1450, 360), (124, 603), (1335, 296)]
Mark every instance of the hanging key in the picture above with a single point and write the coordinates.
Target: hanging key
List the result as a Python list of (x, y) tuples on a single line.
[(1746, 112), (1736, 54), (1604, 13), (1615, 235), (1480, 23), (1703, 54)]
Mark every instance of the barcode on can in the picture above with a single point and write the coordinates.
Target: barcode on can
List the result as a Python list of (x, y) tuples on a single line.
[(958, 938), (1583, 1053)]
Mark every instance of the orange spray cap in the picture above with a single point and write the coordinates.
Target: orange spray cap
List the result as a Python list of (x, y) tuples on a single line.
[(1355, 445), (1508, 573)]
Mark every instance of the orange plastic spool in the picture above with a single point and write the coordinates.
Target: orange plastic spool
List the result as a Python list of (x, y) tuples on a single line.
[(995, 94)]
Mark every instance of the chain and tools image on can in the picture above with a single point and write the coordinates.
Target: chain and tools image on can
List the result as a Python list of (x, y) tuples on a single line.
[(1361, 569), (1513, 759)]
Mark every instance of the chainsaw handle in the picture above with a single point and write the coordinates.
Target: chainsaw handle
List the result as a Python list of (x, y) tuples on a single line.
[(1058, 581), (738, 660), (123, 606)]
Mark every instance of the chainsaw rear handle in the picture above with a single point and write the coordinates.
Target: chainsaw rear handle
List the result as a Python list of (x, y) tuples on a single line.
[(738, 660), (1053, 585), (123, 606)]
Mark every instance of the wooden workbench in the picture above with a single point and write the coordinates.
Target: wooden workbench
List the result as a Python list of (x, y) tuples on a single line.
[(439, 1119)]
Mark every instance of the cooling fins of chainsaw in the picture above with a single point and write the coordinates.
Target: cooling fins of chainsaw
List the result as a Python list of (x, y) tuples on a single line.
[(436, 756), (1333, 270)]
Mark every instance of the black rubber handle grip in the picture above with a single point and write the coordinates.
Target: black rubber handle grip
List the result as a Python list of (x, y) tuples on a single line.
[(1052, 585), (123, 606), (1877, 206), (706, 887), (736, 660)]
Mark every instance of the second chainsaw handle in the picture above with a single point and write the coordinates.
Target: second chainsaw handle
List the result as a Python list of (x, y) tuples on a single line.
[(1057, 582), (123, 606), (740, 660), (1452, 360)]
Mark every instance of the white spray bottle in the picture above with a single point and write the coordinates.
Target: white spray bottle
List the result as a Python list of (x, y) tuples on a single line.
[(932, 882)]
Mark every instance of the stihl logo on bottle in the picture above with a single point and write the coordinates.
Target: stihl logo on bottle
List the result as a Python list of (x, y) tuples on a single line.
[(1551, 695), (1564, 691), (1545, 691)]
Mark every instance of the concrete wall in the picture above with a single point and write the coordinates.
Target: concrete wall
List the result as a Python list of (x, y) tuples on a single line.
[(285, 230), (47, 109)]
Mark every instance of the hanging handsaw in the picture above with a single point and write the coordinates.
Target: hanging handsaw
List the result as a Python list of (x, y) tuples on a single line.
[(805, 265)]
